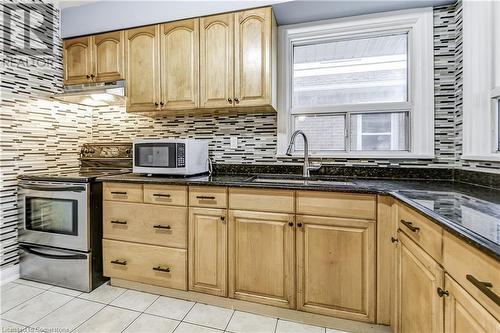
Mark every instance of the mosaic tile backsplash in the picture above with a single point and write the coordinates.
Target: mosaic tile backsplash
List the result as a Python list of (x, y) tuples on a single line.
[(38, 134)]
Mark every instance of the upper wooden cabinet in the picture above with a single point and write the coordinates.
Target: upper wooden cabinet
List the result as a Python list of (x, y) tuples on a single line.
[(77, 56), (179, 61), (96, 58), (142, 53), (216, 60)]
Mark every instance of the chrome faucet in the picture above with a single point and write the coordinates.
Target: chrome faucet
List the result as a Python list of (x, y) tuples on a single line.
[(307, 168)]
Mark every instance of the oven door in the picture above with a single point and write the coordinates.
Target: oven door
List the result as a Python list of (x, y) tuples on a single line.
[(154, 157), (55, 214)]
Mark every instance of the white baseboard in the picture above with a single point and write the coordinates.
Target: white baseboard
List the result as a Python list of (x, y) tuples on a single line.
[(9, 274)]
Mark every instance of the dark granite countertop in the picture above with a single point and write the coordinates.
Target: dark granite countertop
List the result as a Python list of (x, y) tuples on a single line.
[(470, 212)]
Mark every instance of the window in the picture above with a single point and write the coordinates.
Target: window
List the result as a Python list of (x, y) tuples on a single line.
[(351, 85), (498, 124)]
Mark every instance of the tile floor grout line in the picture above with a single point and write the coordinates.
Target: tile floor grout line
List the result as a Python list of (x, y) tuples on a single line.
[(191, 308), (83, 322), (15, 306), (72, 298), (227, 325), (276, 325)]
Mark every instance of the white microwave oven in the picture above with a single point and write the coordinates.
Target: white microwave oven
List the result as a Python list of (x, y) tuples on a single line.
[(170, 156)]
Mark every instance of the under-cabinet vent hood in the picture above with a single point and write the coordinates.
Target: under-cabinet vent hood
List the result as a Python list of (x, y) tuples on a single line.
[(94, 94)]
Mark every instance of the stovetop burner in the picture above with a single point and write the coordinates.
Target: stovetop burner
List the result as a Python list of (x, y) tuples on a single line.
[(82, 175)]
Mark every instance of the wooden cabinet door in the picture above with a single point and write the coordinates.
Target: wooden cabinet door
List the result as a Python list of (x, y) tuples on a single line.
[(261, 257), (208, 250), (216, 60), (252, 48), (336, 267), (77, 59), (419, 277), (142, 53), (463, 314), (108, 55), (179, 64)]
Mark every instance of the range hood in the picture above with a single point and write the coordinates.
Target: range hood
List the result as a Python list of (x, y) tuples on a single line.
[(94, 94)]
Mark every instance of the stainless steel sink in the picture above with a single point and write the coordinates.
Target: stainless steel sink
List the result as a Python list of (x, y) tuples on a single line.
[(310, 182)]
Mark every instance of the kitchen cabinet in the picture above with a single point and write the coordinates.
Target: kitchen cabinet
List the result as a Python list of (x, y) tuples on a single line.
[(97, 58), (262, 257), (216, 61), (142, 68), (208, 250), (336, 267), (179, 62), (77, 60), (419, 278)]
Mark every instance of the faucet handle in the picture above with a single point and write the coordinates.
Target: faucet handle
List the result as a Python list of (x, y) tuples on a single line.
[(317, 166)]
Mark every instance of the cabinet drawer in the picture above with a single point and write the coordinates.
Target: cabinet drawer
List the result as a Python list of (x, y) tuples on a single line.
[(165, 194), (268, 200), (122, 192), (469, 267), (203, 196), (145, 223), (424, 232), (157, 265), (336, 204)]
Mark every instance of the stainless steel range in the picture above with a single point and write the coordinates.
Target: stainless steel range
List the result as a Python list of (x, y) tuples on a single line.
[(61, 219)]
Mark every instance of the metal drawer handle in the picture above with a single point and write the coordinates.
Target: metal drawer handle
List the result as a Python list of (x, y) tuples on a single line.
[(410, 225), (159, 226), (441, 292), (119, 262), (161, 269), (485, 288), (118, 193), (203, 197), (161, 195), (118, 222)]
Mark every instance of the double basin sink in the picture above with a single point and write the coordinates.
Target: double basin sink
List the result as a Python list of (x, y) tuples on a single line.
[(297, 181)]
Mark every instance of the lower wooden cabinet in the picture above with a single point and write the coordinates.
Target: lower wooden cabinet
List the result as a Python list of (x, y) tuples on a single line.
[(336, 267), (463, 314), (150, 264), (419, 306), (208, 250), (262, 257)]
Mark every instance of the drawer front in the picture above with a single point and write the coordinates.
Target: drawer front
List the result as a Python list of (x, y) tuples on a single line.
[(268, 200), (471, 269), (165, 194), (336, 204), (122, 192), (145, 223), (156, 265), (203, 196), (424, 232)]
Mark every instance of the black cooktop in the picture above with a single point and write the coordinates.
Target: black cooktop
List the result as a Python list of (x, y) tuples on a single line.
[(81, 175)]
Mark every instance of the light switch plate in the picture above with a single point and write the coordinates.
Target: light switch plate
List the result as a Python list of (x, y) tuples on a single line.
[(234, 142)]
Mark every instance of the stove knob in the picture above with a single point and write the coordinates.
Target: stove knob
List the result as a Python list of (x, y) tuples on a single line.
[(128, 151)]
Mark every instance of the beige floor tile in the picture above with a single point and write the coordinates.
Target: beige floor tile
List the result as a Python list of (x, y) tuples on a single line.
[(69, 316), (285, 326), (152, 324), (34, 284), (36, 308), (134, 300), (209, 315), (170, 308), (191, 328), (66, 291), (108, 320), (7, 286), (104, 294), (17, 295), (243, 322), (10, 327)]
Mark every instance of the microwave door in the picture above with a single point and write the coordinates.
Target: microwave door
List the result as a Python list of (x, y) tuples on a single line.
[(155, 155)]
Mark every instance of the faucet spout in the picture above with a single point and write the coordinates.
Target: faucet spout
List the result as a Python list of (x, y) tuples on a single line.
[(307, 167)]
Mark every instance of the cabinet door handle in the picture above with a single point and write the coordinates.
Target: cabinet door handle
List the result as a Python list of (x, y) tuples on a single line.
[(118, 222), (161, 103), (442, 292), (119, 262), (119, 193), (204, 197), (410, 225), (290, 224), (88, 76), (230, 101), (222, 218), (485, 288), (394, 240), (236, 100), (92, 76), (299, 224), (159, 226), (161, 195), (161, 269), (156, 103)]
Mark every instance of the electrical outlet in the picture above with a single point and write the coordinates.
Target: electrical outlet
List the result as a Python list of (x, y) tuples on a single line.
[(234, 142)]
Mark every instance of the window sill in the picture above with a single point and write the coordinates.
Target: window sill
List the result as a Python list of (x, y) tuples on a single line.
[(357, 155), (493, 157)]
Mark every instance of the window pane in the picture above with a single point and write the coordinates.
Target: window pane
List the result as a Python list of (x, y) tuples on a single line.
[(379, 131), (498, 125), (324, 132), (367, 70)]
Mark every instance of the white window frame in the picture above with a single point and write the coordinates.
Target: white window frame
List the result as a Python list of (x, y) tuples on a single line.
[(481, 80), (418, 23)]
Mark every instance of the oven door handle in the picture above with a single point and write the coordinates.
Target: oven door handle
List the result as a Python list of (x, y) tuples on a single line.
[(52, 256), (53, 188)]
